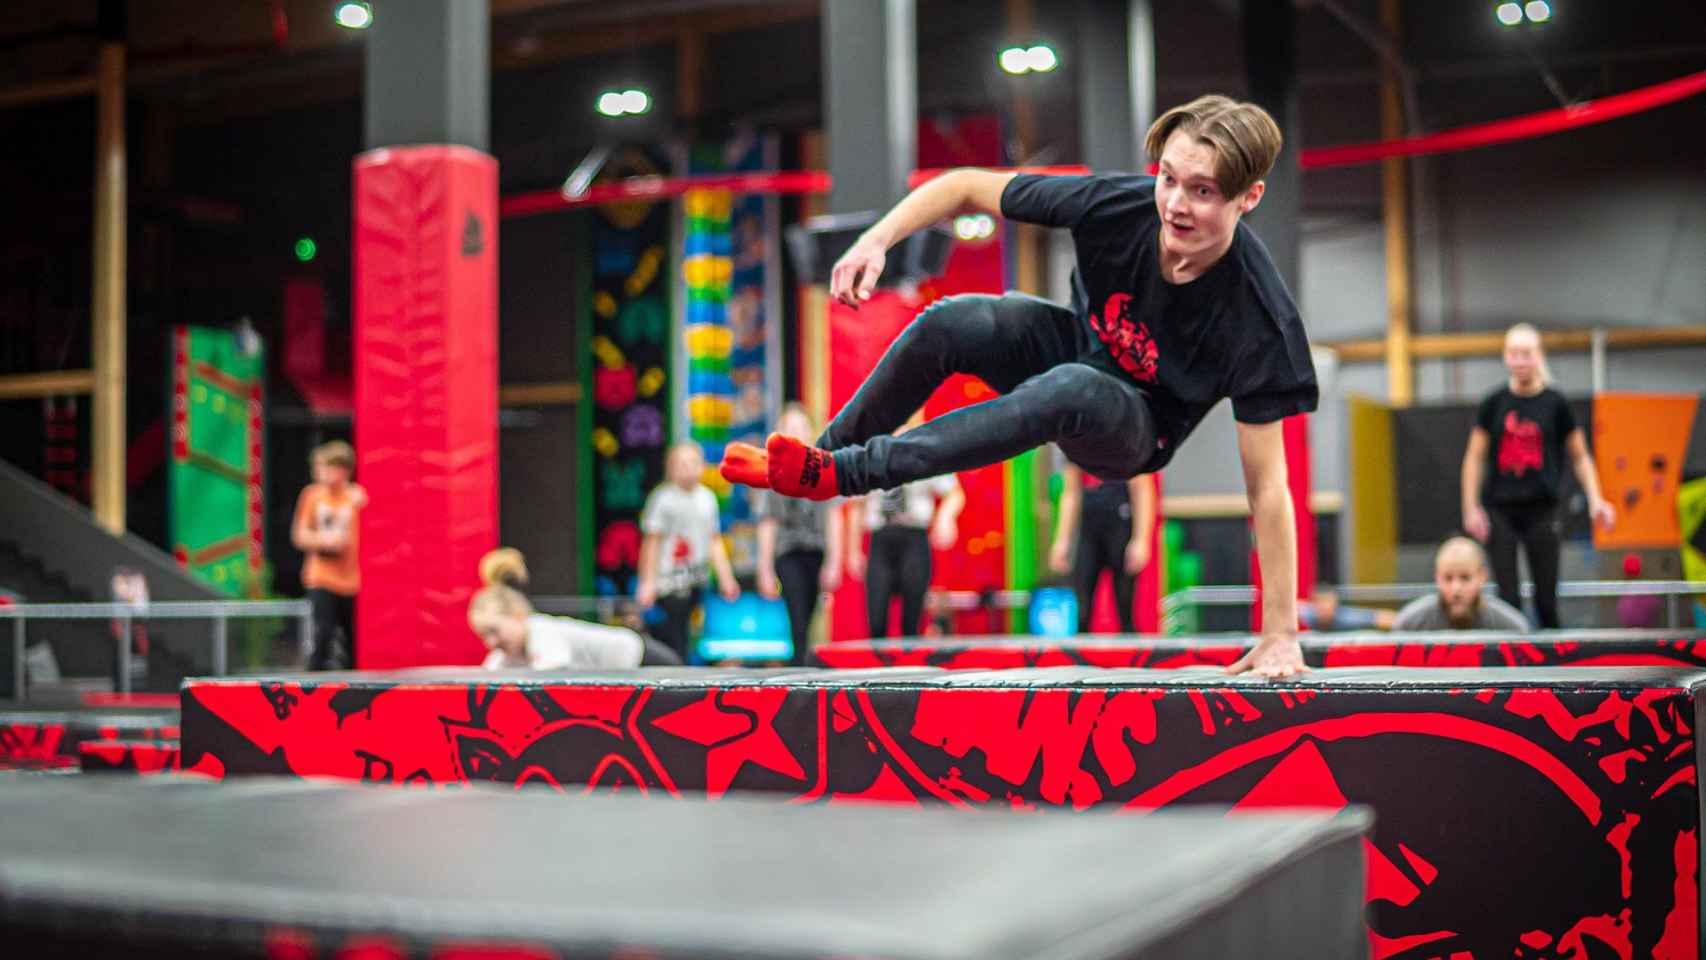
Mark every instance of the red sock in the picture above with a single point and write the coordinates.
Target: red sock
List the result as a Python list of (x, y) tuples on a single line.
[(745, 463), (797, 470)]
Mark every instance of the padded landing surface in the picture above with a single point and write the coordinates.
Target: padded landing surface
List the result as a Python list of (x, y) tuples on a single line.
[(50, 738), (239, 869), (128, 756), (1514, 805)]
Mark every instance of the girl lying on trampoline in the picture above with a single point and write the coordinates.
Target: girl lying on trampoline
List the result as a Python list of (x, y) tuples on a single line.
[(1176, 305), (516, 636)]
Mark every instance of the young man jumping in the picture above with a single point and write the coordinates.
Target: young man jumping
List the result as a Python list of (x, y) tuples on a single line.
[(1176, 305)]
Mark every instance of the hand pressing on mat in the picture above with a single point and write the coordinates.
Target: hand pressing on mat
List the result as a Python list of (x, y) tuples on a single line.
[(1275, 655)]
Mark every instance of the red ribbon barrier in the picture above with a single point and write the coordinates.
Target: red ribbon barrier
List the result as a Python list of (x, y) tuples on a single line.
[(920, 177), (1526, 127), (665, 188), (1504, 131)]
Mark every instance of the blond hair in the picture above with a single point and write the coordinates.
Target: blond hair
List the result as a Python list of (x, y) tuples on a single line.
[(504, 566), (1533, 333), (335, 453), (1245, 138), (503, 571)]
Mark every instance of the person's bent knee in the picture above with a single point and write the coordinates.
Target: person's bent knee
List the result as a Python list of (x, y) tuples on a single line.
[(1077, 386), (950, 319)]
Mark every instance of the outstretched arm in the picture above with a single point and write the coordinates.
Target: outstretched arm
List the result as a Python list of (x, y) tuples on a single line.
[(1141, 492), (945, 530), (1276, 654), (727, 585), (829, 579), (854, 541), (1475, 521), (768, 586), (303, 536), (646, 590), (1600, 509), (855, 274), (1066, 524)]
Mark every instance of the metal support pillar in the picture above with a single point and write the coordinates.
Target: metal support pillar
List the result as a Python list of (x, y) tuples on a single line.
[(20, 682), (870, 101), (429, 74), (124, 627), (1270, 63), (1116, 82), (221, 645)]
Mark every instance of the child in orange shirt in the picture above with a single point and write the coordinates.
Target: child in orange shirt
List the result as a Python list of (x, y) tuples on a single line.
[(328, 530)]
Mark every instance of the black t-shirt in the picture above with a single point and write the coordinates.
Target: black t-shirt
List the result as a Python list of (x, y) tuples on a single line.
[(1232, 332), (1525, 458)]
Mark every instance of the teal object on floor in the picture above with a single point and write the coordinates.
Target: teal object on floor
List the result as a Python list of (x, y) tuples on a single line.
[(750, 628), (1054, 612)]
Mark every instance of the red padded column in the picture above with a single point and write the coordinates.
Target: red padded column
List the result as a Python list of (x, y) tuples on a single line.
[(426, 397)]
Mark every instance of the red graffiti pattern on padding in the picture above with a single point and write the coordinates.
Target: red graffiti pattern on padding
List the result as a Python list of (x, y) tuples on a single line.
[(1591, 848), (739, 726), (1520, 449), (1303, 779)]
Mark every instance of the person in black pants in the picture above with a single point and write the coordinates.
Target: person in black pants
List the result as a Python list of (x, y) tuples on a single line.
[(1103, 526), (1176, 306), (905, 524), (1523, 435), (799, 545)]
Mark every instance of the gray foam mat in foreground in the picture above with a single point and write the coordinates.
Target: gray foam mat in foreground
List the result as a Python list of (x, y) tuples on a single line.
[(171, 867)]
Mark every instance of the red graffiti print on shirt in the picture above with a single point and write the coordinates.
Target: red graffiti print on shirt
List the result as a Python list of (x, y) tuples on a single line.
[(1519, 448), (1130, 343)]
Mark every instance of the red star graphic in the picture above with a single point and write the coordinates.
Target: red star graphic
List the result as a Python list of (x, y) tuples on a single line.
[(737, 725)]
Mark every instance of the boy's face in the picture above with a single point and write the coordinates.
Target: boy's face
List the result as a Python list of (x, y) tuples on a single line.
[(330, 474), (686, 467), (1196, 220), (1459, 576)]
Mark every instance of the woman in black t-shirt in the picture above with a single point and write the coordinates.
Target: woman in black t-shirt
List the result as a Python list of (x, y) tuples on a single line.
[(1523, 435)]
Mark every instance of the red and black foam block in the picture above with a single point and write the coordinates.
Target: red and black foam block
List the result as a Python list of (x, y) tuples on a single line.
[(128, 756), (1519, 811), (1592, 648), (50, 738), (338, 872)]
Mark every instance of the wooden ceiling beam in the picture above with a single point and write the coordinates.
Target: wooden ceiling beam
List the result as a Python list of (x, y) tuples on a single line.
[(1491, 343)]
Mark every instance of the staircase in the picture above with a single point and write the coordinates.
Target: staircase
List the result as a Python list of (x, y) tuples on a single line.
[(83, 648), (54, 550)]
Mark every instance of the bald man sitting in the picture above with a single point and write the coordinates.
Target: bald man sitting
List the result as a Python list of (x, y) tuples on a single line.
[(1460, 571)]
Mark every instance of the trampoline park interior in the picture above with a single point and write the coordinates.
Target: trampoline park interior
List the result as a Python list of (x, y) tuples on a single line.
[(526, 257)]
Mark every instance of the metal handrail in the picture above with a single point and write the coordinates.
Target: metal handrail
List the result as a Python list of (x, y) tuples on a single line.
[(607, 607), (611, 606), (1241, 595), (221, 612)]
